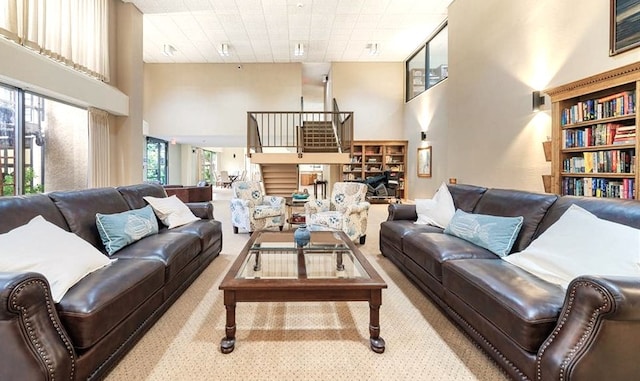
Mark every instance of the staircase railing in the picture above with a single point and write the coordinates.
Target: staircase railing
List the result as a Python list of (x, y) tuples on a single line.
[(282, 131)]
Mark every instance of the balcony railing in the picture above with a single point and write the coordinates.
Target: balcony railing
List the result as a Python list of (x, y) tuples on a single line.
[(295, 131)]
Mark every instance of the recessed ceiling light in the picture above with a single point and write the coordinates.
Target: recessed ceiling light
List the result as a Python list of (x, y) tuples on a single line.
[(373, 49), (224, 50), (299, 50), (168, 50)]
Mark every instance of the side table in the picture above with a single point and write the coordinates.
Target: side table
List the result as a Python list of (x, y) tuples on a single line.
[(323, 188)]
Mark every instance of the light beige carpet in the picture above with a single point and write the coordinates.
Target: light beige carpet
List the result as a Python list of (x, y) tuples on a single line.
[(304, 341)]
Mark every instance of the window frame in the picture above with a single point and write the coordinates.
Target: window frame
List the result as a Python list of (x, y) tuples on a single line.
[(409, 78)]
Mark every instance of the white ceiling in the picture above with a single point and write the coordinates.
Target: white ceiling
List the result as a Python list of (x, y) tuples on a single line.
[(269, 30)]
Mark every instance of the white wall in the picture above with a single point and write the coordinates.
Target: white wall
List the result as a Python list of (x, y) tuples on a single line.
[(374, 92), (34, 72), (499, 52), (213, 99)]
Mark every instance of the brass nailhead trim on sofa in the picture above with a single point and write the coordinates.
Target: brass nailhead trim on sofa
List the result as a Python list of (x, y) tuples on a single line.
[(589, 327), (26, 322)]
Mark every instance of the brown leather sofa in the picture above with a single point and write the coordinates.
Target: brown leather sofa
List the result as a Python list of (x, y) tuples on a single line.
[(527, 325), (100, 318)]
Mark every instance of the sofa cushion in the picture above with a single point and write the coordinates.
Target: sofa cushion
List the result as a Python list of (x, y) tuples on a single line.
[(61, 256), (18, 210), (512, 203), (208, 231), (437, 211), (580, 243), (133, 194), (392, 232), (521, 305), (495, 233), (121, 229), (80, 207), (174, 250), (100, 301), (431, 250), (464, 196)]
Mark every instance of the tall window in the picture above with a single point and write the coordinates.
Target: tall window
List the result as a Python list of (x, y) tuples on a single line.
[(157, 160), (429, 65), (43, 144), (208, 166)]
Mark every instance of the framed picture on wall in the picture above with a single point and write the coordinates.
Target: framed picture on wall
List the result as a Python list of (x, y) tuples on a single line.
[(424, 162), (624, 29)]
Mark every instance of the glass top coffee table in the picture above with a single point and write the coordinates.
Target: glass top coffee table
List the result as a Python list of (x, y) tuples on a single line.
[(272, 268)]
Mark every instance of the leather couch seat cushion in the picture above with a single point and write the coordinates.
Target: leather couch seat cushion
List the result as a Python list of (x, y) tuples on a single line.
[(431, 250), (174, 250), (208, 231), (393, 232), (521, 305), (104, 298)]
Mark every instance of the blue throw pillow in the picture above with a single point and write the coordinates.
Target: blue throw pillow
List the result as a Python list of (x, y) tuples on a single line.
[(121, 229), (496, 234)]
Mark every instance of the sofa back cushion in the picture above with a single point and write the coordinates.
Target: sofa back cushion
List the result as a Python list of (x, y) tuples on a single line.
[(133, 194), (79, 209), (19, 210), (513, 203), (466, 197), (626, 212)]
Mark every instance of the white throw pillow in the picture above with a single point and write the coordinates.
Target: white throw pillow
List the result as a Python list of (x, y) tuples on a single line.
[(171, 211), (42, 247), (437, 211), (580, 243)]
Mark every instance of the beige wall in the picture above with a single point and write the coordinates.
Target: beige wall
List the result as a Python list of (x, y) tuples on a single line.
[(127, 140), (485, 125), (374, 92), (213, 99)]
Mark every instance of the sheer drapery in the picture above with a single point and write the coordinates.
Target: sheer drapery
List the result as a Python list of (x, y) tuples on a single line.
[(74, 32), (98, 148)]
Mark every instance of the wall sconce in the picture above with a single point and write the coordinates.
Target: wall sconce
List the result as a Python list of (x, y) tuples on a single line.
[(423, 135), (538, 101)]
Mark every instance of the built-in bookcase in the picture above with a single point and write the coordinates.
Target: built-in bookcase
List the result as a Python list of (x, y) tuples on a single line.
[(372, 158), (594, 135)]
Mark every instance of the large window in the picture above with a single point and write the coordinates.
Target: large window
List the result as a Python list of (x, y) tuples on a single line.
[(428, 66), (156, 160), (43, 144)]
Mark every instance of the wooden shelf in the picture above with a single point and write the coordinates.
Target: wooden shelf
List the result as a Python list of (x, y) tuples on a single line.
[(609, 102), (388, 155)]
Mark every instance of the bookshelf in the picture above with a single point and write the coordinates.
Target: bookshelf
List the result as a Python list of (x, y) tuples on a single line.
[(373, 157), (594, 135)]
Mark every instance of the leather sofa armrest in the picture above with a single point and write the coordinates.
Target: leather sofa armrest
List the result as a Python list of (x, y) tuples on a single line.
[(34, 345), (402, 212), (202, 210), (598, 333)]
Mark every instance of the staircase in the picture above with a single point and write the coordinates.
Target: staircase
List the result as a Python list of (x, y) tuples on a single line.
[(279, 179), (318, 136)]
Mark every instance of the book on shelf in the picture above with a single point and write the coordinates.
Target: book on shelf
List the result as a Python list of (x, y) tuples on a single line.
[(618, 104), (599, 187)]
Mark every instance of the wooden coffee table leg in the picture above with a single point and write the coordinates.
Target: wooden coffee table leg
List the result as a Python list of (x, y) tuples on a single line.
[(228, 343), (377, 342)]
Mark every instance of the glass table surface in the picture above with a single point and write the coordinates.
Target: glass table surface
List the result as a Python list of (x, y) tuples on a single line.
[(274, 255)]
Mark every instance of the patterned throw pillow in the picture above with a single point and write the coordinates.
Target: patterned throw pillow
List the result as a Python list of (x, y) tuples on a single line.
[(121, 229), (494, 233)]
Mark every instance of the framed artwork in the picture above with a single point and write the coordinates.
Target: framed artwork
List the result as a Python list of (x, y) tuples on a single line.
[(624, 29), (424, 162)]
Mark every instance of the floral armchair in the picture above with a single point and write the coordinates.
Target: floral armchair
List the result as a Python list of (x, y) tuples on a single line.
[(251, 210), (346, 210)]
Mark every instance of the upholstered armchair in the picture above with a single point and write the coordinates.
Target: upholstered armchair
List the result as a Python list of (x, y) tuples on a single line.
[(345, 210), (251, 210)]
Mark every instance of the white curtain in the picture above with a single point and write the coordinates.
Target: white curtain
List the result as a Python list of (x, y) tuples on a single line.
[(74, 32), (99, 156)]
